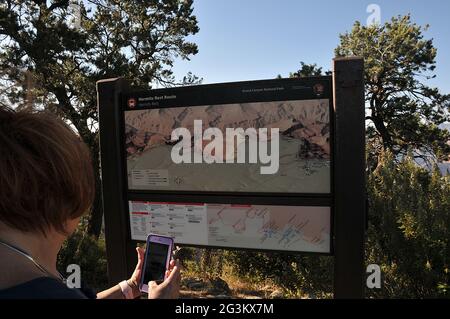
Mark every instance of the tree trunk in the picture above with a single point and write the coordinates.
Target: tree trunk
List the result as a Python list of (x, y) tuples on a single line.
[(96, 214)]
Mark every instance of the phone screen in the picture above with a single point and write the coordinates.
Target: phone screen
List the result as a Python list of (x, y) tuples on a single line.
[(155, 267)]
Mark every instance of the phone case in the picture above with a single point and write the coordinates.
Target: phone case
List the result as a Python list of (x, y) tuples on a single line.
[(143, 287)]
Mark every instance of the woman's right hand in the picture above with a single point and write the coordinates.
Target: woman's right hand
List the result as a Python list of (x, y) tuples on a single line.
[(170, 287)]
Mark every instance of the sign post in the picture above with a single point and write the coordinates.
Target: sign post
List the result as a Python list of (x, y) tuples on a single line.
[(119, 248), (349, 177)]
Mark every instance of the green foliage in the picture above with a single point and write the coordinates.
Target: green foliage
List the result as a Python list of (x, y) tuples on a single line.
[(211, 262), (409, 229), (404, 112), (308, 70), (295, 273), (205, 263), (90, 254)]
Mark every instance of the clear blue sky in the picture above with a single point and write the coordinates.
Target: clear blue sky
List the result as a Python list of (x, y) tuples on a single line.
[(259, 39)]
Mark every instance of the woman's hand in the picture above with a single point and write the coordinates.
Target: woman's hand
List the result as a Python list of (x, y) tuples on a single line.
[(135, 279), (116, 292), (170, 287)]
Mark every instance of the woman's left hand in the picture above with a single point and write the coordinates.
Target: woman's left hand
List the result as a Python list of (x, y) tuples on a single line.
[(135, 279)]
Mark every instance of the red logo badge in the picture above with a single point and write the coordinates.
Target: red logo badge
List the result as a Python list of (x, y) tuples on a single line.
[(132, 103), (318, 89)]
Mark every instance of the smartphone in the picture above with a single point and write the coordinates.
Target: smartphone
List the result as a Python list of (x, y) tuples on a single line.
[(156, 261)]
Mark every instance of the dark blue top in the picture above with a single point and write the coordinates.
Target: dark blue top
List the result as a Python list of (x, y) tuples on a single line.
[(45, 288)]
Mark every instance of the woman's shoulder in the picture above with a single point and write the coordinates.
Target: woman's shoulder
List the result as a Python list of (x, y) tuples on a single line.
[(41, 288)]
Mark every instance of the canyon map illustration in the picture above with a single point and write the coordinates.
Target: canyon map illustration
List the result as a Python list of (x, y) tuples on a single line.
[(304, 148)]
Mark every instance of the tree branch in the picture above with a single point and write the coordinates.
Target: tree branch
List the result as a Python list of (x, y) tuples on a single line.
[(58, 4)]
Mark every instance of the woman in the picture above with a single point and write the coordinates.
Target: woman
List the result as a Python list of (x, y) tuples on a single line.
[(46, 184)]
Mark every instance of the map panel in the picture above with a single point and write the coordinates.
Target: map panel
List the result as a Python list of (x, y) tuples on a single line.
[(304, 148), (289, 228)]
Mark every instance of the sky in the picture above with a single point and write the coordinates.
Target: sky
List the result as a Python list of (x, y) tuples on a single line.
[(258, 39)]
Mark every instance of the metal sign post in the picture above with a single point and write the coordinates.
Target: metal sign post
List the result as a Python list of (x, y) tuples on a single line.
[(349, 177), (120, 250)]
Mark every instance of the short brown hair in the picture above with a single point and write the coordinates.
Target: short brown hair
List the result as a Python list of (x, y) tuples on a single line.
[(46, 173)]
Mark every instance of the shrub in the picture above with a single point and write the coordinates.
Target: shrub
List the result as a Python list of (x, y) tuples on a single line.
[(409, 229), (296, 274)]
